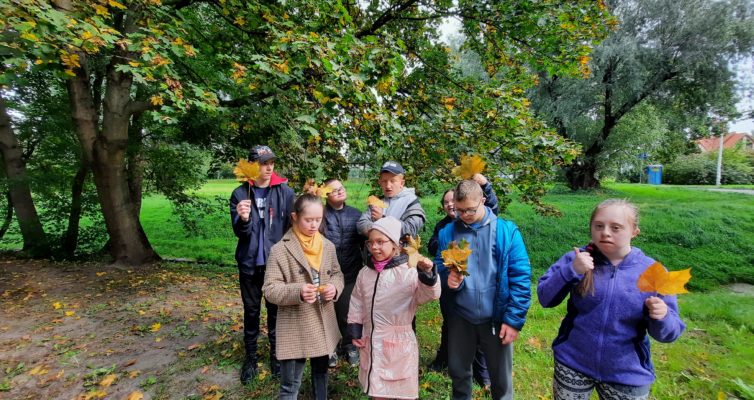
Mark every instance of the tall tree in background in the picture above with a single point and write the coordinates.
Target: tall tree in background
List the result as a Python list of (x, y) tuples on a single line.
[(676, 54), (324, 82)]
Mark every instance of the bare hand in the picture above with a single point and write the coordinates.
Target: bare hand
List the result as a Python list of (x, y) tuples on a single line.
[(328, 292), (424, 264), (657, 308), (376, 212), (309, 293), (360, 343), (583, 262), (243, 208), (507, 334), (454, 279), (480, 179)]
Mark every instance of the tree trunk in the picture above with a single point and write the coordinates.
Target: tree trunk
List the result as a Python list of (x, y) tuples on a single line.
[(35, 240), (8, 215), (582, 175), (107, 152), (71, 236)]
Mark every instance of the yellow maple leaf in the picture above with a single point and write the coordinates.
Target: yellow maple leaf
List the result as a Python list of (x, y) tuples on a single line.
[(375, 201), (470, 166), (115, 4), (312, 188), (657, 279), (156, 100), (247, 170), (155, 327), (38, 370), (56, 305), (456, 256), (135, 395), (69, 313), (282, 67), (412, 251), (108, 380), (94, 394)]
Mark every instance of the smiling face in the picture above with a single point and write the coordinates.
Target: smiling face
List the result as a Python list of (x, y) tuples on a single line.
[(612, 229), (449, 205), (380, 246), (308, 220)]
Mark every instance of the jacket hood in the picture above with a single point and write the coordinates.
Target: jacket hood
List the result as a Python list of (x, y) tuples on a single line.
[(276, 179), (407, 191)]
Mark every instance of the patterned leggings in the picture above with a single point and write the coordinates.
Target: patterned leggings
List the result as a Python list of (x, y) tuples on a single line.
[(572, 385)]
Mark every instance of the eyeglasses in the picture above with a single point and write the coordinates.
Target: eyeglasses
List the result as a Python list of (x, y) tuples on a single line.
[(338, 190), (378, 243), (469, 211)]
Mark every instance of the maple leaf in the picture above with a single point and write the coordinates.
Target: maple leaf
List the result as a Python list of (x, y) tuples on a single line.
[(56, 305), (470, 166), (69, 313), (108, 380), (375, 201), (155, 327), (456, 256), (312, 188), (247, 170), (135, 395), (657, 279), (412, 250)]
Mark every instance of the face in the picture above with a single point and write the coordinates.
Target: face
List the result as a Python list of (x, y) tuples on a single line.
[(309, 219), (448, 204), (380, 245), (470, 209), (612, 230), (338, 194), (391, 184), (266, 169)]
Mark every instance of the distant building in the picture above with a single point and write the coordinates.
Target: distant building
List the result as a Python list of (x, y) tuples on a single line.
[(731, 140)]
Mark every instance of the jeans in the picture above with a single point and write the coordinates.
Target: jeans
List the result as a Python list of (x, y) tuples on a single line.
[(291, 372)]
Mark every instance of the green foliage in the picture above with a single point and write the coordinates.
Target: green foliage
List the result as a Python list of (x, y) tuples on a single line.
[(701, 169)]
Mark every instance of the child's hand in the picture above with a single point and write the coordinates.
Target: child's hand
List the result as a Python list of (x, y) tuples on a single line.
[(328, 292), (360, 343), (376, 212), (454, 279), (480, 179), (309, 293), (657, 308), (583, 262), (424, 264)]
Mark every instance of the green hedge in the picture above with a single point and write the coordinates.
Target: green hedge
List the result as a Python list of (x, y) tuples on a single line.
[(701, 169)]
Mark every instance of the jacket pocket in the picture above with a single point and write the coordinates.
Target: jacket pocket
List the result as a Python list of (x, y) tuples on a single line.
[(400, 359)]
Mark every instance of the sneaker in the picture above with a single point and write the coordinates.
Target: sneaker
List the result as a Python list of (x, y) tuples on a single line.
[(333, 361), (352, 355), (437, 366), (248, 370)]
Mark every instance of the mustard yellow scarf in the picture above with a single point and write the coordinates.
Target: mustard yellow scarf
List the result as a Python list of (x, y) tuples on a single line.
[(313, 247)]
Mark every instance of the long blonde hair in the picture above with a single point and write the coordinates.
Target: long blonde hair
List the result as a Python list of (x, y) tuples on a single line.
[(587, 283)]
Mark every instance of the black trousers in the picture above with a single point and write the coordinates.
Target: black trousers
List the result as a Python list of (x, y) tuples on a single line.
[(251, 295), (341, 311)]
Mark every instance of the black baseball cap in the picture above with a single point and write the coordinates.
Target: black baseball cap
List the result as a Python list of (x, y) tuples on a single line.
[(393, 167), (261, 154)]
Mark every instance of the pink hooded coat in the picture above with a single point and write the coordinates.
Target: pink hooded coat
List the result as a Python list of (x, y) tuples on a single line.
[(384, 304)]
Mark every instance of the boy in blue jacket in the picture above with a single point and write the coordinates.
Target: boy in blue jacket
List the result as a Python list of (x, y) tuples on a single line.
[(260, 214), (488, 307)]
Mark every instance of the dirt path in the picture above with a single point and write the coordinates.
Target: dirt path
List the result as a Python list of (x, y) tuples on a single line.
[(87, 331)]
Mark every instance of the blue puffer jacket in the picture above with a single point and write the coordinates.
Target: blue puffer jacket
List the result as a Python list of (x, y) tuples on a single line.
[(280, 200), (509, 277), (604, 336)]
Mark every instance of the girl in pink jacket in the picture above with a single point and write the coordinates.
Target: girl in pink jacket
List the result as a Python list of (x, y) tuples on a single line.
[(383, 304)]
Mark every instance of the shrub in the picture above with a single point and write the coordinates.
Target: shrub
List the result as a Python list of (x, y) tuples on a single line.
[(701, 169)]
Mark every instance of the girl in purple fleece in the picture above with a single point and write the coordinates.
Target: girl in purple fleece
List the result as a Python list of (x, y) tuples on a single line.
[(603, 342)]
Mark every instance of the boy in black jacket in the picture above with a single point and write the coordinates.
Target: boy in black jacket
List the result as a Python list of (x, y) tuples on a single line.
[(260, 214)]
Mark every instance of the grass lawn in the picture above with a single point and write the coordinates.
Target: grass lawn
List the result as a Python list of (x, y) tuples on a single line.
[(707, 231)]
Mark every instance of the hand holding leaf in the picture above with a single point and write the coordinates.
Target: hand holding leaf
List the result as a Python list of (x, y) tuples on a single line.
[(374, 201), (470, 166), (456, 257), (658, 280)]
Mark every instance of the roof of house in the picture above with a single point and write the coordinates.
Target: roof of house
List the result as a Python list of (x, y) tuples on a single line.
[(730, 140)]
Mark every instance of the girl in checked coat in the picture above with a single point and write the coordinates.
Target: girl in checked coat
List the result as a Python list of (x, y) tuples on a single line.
[(303, 278), (383, 304)]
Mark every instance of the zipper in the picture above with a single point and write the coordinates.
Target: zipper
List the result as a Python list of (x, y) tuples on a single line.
[(371, 334), (606, 315)]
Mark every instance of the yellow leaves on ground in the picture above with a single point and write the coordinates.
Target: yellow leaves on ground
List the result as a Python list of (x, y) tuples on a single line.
[(657, 279), (135, 395), (456, 256), (155, 327), (94, 394), (69, 313), (312, 188), (375, 201), (38, 370), (212, 392), (247, 171), (470, 166), (56, 305), (108, 380), (412, 250)]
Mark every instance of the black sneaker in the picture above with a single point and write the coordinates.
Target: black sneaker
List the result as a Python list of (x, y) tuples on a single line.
[(437, 366), (248, 370), (333, 361), (352, 355)]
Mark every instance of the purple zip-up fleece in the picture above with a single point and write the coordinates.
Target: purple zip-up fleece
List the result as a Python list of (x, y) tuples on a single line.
[(604, 335)]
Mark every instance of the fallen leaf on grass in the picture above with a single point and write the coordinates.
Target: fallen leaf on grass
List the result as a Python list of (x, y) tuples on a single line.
[(129, 363), (155, 327), (38, 370), (134, 374), (194, 346), (657, 279), (135, 395), (56, 305), (94, 394), (108, 380), (69, 313)]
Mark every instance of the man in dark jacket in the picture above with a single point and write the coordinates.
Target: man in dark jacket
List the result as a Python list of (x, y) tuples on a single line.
[(340, 228), (260, 214)]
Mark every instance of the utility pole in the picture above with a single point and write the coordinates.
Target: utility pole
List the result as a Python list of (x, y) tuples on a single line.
[(720, 159)]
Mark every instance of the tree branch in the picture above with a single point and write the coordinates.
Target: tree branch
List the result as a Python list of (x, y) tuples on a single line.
[(390, 14)]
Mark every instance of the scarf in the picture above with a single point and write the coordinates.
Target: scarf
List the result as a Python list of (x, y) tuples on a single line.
[(313, 248), (380, 265)]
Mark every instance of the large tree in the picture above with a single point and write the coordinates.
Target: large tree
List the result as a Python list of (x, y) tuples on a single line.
[(325, 82), (675, 54)]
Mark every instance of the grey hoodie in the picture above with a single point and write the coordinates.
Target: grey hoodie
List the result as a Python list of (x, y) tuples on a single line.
[(404, 206)]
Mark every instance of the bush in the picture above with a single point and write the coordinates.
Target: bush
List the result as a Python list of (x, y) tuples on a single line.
[(701, 169)]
